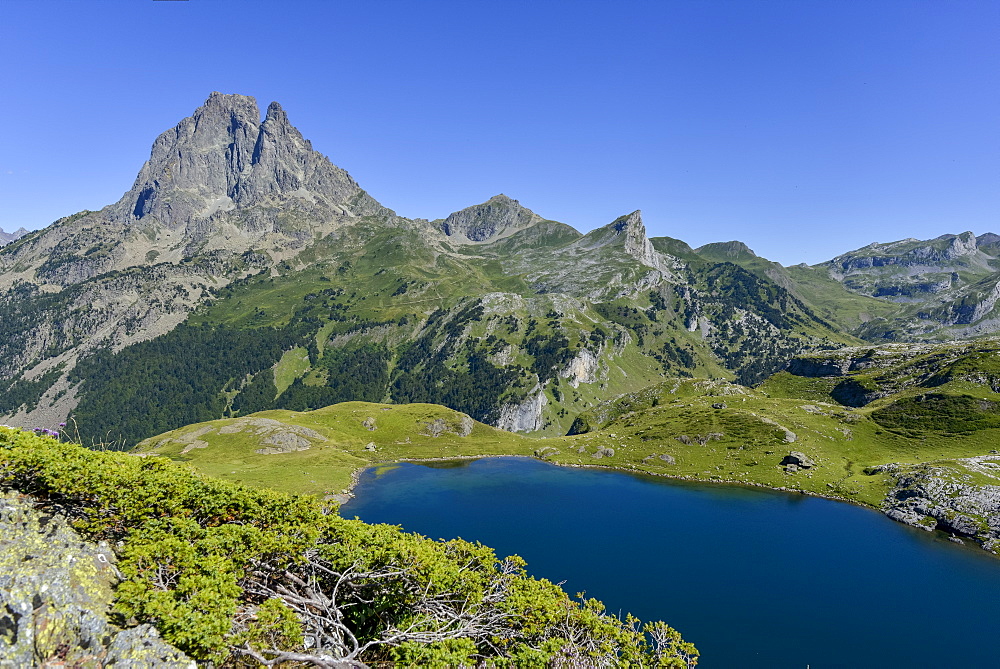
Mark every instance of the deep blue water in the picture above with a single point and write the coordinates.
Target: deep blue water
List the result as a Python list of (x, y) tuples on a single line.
[(755, 578)]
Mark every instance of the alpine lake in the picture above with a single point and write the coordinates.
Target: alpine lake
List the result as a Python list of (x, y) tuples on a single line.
[(755, 578)]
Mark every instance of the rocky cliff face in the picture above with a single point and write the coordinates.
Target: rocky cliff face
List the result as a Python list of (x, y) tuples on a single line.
[(224, 157), (855, 358), (862, 374), (528, 416)]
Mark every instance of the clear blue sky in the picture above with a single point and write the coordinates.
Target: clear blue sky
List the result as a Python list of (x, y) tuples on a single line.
[(805, 128)]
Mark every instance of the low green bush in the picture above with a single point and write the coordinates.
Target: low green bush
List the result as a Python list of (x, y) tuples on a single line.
[(236, 575)]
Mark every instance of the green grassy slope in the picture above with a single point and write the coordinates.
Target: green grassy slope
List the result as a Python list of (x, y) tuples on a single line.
[(719, 432), (711, 430), (334, 441)]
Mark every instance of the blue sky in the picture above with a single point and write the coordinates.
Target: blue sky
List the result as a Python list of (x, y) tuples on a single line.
[(804, 128)]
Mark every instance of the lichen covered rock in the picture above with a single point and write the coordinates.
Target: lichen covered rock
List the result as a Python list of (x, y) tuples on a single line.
[(55, 590)]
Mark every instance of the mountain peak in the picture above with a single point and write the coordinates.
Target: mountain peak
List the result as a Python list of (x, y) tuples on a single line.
[(732, 250), (630, 223), (630, 230), (276, 117), (500, 216), (637, 244), (8, 237), (224, 156), (987, 239), (229, 102), (275, 111)]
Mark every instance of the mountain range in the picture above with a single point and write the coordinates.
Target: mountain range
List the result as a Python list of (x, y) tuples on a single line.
[(244, 271)]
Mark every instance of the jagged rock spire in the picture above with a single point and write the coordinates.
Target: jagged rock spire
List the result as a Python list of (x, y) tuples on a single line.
[(637, 244)]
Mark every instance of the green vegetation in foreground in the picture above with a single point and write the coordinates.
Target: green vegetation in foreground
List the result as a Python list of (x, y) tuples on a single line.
[(239, 576)]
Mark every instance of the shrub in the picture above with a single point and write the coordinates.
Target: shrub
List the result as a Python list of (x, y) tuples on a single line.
[(226, 572)]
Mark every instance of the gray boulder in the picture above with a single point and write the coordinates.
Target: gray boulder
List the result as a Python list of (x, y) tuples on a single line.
[(796, 460), (440, 426), (284, 442)]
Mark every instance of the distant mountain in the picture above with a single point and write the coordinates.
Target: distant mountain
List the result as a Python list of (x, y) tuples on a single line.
[(8, 237), (498, 217), (947, 287)]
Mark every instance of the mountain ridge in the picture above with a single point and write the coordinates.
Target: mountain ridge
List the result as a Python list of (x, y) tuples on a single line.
[(8, 237), (235, 221)]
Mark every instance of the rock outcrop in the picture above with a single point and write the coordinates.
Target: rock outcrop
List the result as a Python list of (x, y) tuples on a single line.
[(867, 373), (849, 359), (55, 592), (526, 416), (933, 497), (273, 436), (796, 460), (461, 426), (582, 368)]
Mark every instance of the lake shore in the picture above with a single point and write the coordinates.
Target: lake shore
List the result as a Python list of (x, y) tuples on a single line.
[(356, 478)]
